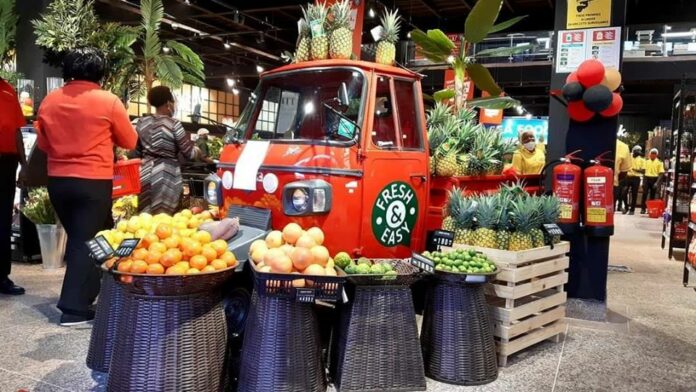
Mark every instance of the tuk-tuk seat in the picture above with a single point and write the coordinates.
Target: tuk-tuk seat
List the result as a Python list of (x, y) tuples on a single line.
[(254, 224)]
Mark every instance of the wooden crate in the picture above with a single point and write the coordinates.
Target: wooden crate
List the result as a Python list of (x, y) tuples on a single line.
[(527, 298)]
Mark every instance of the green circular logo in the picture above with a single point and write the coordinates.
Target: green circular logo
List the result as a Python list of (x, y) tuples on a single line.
[(394, 214)]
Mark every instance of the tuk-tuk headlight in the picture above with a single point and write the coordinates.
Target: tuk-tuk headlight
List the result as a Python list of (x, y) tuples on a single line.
[(307, 197), (300, 199), (213, 190)]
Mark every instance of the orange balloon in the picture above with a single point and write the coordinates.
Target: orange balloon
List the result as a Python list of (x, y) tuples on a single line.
[(612, 79)]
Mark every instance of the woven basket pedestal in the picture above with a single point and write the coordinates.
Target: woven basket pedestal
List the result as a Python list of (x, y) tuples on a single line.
[(282, 348), (105, 325), (169, 343), (456, 336), (378, 347)]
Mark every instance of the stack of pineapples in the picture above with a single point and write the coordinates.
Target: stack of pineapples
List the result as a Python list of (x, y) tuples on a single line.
[(510, 219), (325, 32), (461, 147)]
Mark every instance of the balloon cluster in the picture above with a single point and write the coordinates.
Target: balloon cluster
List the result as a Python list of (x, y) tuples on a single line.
[(590, 91)]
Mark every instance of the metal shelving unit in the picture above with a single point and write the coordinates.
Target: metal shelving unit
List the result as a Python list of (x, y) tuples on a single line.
[(684, 122)]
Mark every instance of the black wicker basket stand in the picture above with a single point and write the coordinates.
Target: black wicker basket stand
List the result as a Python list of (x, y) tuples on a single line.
[(377, 346), (105, 325), (172, 334), (282, 344), (456, 336)]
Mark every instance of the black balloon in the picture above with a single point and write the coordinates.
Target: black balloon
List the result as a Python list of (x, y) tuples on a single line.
[(597, 98), (573, 91)]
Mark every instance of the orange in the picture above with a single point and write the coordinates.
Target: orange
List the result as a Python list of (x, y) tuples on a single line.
[(202, 236), (175, 270), (138, 267), (148, 240), (220, 246), (218, 264), (157, 246), (155, 269), (163, 231), (140, 254), (192, 271), (229, 258), (171, 257), (124, 266), (172, 242), (192, 249), (184, 265), (209, 252), (153, 257), (208, 268), (198, 262)]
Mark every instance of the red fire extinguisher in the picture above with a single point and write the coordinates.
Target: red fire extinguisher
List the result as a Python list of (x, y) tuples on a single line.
[(599, 194), (567, 182)]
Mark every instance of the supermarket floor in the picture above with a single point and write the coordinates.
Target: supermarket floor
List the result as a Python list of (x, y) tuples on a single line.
[(649, 345)]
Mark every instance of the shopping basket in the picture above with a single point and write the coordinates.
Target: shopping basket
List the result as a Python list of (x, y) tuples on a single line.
[(126, 178), (655, 208)]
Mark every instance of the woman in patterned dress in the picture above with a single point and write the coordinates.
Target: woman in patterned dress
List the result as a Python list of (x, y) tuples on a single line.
[(161, 140)]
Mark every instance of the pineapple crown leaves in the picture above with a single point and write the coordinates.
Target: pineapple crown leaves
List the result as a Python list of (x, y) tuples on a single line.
[(391, 24), (523, 214), (486, 212), (316, 12), (465, 213), (303, 25), (339, 15), (454, 198), (503, 217), (438, 114), (551, 209), (436, 137)]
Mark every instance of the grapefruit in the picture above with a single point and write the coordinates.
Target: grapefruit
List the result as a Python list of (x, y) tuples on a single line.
[(316, 234), (282, 264), (301, 258), (291, 232), (287, 249), (274, 239), (257, 244), (305, 241), (321, 255), (271, 256)]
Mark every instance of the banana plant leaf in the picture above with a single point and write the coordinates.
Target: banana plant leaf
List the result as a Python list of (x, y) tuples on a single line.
[(441, 40), (443, 95), (481, 20), (506, 25), (483, 79), (431, 49), (493, 103), (502, 52)]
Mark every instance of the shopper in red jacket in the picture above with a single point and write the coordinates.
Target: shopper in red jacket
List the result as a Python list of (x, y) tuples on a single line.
[(11, 119), (79, 124)]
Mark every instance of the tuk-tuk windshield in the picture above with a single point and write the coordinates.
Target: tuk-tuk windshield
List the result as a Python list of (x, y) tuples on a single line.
[(322, 105)]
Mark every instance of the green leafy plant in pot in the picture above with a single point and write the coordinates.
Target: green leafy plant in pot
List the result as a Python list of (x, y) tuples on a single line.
[(438, 48)]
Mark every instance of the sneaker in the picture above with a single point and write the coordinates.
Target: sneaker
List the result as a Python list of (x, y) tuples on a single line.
[(643, 212), (624, 211), (69, 320), (632, 212), (8, 287)]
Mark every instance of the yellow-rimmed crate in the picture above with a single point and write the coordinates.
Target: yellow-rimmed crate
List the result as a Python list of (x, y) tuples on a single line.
[(527, 299)]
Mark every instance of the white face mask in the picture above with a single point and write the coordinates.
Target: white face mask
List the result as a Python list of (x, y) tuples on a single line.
[(530, 146)]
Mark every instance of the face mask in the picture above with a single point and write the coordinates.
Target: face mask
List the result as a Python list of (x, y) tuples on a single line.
[(530, 146)]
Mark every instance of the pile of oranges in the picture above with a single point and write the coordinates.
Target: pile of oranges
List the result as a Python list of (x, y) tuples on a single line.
[(171, 246)]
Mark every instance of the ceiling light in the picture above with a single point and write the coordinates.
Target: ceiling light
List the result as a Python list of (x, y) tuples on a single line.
[(235, 91), (520, 110), (371, 12), (227, 45), (680, 34), (231, 82), (188, 2), (528, 116), (450, 59), (408, 35), (259, 69), (166, 49)]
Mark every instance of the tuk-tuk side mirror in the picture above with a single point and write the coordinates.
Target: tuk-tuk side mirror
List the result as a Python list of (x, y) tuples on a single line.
[(343, 97)]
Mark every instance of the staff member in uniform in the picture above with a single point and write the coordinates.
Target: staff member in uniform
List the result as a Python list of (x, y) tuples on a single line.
[(622, 164), (654, 168), (78, 127), (11, 153), (528, 159), (633, 180)]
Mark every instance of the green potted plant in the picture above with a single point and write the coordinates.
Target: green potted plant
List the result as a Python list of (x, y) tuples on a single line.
[(39, 210)]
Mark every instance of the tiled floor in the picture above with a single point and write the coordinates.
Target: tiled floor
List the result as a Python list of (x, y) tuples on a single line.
[(650, 345)]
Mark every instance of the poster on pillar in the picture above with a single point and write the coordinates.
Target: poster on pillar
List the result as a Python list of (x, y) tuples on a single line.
[(576, 46), (468, 84), (357, 15), (585, 14), (490, 116)]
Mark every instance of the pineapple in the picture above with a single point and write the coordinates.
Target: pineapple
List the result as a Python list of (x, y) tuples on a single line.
[(316, 17), (446, 153), (303, 45), (524, 220), (550, 212), (341, 37), (536, 233), (464, 221), (437, 116), (502, 235), (436, 137), (481, 155), (454, 198), (447, 164), (486, 215), (386, 49)]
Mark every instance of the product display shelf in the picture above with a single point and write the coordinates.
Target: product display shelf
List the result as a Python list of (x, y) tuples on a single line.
[(377, 346), (527, 298), (172, 333), (685, 114), (106, 321)]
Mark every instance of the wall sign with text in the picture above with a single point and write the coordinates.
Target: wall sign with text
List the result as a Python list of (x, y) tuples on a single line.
[(584, 14), (575, 46)]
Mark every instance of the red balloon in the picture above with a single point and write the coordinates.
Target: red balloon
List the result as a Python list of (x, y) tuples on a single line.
[(579, 112), (590, 73), (614, 108), (572, 77)]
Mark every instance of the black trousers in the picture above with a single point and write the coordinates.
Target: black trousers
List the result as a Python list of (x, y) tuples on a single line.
[(648, 190), (630, 192), (83, 207), (8, 172)]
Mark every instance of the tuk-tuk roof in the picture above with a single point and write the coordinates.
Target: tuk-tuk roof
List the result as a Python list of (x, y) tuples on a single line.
[(365, 65)]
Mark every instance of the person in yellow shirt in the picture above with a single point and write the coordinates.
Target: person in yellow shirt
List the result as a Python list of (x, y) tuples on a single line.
[(622, 164), (528, 159), (654, 168), (633, 180)]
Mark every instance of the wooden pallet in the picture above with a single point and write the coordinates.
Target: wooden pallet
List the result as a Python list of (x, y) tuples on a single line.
[(527, 298)]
